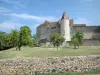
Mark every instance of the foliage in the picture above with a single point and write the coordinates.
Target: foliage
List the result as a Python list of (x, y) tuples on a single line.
[(56, 39), (8, 40), (16, 38), (77, 39), (25, 35), (35, 40), (79, 36), (2, 40)]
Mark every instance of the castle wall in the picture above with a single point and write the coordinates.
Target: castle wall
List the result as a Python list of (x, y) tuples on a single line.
[(45, 31), (91, 34), (42, 32), (88, 42)]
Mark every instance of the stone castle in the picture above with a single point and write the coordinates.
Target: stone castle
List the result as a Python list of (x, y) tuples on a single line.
[(66, 28)]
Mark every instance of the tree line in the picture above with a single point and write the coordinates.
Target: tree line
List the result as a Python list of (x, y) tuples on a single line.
[(16, 38)]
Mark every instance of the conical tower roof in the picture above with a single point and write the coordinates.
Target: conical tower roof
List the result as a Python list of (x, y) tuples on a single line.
[(64, 16)]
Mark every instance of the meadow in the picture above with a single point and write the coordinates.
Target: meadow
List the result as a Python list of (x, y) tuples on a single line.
[(39, 52)]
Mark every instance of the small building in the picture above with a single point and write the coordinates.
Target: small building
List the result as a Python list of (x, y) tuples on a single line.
[(66, 28)]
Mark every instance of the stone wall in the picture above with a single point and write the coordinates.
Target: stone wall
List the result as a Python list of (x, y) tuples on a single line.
[(90, 42), (56, 64), (90, 32), (45, 30)]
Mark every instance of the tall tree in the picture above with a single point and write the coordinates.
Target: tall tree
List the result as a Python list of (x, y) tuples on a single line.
[(77, 39), (56, 39), (14, 36), (25, 37)]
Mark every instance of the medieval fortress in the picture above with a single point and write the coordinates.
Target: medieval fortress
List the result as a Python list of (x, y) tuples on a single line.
[(66, 28)]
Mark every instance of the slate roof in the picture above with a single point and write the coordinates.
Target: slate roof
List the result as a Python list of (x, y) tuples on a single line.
[(64, 16), (51, 24), (79, 25)]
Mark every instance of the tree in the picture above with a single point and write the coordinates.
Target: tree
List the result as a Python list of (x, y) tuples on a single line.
[(79, 36), (35, 38), (77, 39), (5, 41), (19, 42), (14, 37), (25, 37), (2, 41), (56, 39)]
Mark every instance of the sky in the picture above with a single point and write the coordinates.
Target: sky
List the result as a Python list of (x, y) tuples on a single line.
[(17, 13)]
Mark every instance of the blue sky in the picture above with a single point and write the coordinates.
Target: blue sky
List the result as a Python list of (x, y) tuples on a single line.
[(17, 13)]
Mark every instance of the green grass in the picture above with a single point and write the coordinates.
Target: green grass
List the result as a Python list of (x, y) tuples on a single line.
[(27, 52), (73, 73), (92, 72)]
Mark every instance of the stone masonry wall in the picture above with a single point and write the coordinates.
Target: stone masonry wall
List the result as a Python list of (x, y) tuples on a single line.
[(91, 42), (56, 64)]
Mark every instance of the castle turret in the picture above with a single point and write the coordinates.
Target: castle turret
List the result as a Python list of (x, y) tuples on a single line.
[(65, 27)]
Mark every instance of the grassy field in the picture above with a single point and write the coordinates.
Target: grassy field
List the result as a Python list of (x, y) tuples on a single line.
[(92, 72), (70, 74), (27, 52)]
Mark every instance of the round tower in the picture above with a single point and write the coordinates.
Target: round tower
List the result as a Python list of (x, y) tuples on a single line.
[(65, 27)]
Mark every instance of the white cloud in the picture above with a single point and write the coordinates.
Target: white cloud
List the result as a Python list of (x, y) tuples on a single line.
[(81, 20), (16, 3), (37, 18), (2, 9), (8, 25), (12, 24)]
